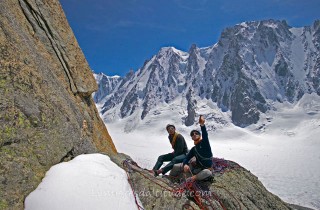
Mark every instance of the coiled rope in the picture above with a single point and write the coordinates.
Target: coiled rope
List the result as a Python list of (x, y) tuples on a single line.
[(184, 187)]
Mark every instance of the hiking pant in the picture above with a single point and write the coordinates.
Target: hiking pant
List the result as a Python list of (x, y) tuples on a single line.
[(200, 173), (168, 157)]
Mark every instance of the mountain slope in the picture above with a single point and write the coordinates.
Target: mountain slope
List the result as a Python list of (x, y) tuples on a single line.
[(252, 65)]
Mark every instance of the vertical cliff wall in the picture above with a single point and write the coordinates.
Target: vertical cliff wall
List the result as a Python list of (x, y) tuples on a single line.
[(47, 114)]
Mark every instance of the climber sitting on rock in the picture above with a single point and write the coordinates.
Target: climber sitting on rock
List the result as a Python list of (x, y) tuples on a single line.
[(177, 156), (198, 162)]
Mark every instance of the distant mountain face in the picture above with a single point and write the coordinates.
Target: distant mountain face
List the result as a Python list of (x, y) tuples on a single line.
[(253, 65), (106, 85)]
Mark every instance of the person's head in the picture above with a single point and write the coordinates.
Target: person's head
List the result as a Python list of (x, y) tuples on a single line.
[(196, 136), (171, 129)]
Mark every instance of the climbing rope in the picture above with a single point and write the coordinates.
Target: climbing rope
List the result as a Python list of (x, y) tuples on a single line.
[(178, 191), (197, 194), (221, 166), (127, 165)]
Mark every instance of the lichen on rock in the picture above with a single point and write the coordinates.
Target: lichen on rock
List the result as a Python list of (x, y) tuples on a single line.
[(45, 87)]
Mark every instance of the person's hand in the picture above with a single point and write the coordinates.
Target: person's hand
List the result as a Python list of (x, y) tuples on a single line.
[(186, 168), (191, 179), (201, 120)]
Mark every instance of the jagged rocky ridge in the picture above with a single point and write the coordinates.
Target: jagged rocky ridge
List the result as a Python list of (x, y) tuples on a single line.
[(47, 114), (252, 65)]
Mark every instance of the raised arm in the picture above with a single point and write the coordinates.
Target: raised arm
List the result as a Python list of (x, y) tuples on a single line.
[(203, 128)]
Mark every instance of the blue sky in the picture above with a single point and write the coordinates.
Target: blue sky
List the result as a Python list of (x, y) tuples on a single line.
[(119, 35)]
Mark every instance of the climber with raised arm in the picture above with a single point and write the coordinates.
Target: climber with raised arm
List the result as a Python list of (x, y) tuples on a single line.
[(198, 162)]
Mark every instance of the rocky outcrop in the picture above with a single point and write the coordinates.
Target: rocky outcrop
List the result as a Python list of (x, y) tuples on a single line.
[(190, 109), (47, 114), (236, 189)]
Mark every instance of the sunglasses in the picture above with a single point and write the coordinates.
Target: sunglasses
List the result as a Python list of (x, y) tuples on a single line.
[(194, 133)]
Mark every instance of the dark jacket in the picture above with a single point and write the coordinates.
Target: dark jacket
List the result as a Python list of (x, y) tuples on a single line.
[(202, 151), (180, 147)]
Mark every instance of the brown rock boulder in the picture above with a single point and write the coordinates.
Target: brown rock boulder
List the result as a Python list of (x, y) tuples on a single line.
[(47, 114), (235, 188)]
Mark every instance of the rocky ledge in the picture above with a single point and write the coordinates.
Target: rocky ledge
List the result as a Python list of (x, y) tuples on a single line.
[(235, 188)]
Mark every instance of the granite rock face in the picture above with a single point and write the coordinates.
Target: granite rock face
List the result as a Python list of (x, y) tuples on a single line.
[(47, 114)]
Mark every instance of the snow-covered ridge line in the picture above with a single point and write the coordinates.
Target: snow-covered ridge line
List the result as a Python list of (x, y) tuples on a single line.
[(253, 65)]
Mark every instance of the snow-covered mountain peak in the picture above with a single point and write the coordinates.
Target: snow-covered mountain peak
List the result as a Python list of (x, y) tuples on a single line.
[(101, 75), (106, 85), (169, 51), (253, 64)]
